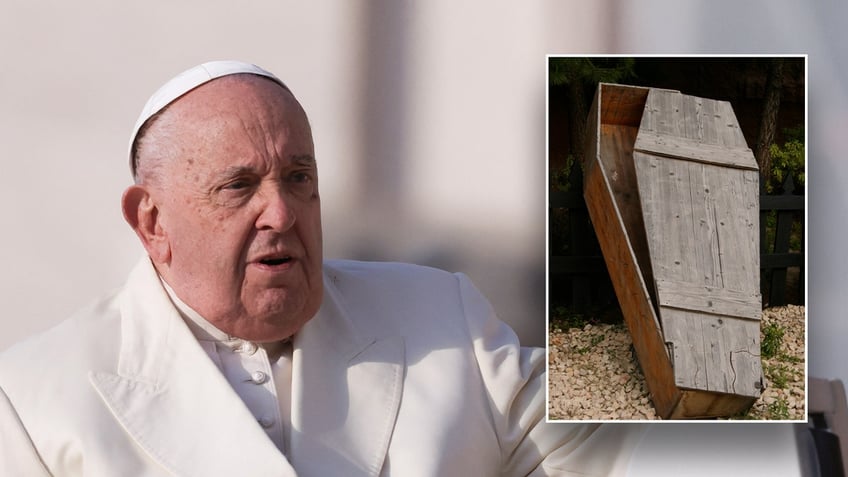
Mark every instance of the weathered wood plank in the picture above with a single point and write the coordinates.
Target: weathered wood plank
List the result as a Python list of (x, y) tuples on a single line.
[(736, 205), (593, 138), (714, 353), (668, 220), (687, 352), (667, 145), (696, 214), (671, 115), (707, 257), (693, 128), (632, 294), (663, 102), (697, 404), (617, 161), (709, 135), (707, 299), (678, 125), (622, 105), (613, 206), (730, 134), (698, 191), (703, 249)]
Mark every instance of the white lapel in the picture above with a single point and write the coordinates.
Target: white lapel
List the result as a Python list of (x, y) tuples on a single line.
[(172, 400), (346, 390)]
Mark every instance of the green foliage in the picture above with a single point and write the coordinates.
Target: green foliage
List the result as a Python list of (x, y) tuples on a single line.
[(790, 359), (771, 227), (787, 160), (563, 71), (561, 178), (779, 409), (795, 235), (779, 375), (593, 341), (772, 339), (794, 134), (563, 318)]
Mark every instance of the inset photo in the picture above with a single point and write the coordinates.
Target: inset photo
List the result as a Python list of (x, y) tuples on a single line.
[(676, 277)]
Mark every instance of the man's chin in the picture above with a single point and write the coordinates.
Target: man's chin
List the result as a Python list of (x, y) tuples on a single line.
[(279, 317)]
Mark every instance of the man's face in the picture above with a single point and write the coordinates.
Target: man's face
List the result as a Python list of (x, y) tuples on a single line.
[(239, 205)]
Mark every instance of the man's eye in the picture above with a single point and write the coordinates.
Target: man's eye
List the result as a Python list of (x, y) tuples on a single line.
[(302, 184), (300, 177), (236, 185)]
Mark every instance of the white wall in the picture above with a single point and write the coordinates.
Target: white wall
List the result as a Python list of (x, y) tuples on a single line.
[(75, 77), (428, 119)]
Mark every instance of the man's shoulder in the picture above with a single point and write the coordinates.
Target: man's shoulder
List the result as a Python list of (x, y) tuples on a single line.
[(405, 281), (382, 272), (46, 377), (88, 333), (413, 300)]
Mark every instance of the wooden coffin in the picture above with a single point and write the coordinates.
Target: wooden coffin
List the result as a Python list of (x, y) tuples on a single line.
[(672, 191)]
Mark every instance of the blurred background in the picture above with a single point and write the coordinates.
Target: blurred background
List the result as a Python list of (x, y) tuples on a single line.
[(428, 117), (429, 123)]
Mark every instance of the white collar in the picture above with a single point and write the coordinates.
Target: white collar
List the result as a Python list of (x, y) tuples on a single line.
[(203, 330)]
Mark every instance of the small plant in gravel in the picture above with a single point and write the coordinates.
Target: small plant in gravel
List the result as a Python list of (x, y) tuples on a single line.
[(779, 409), (789, 359), (593, 341), (779, 375), (772, 339), (564, 319)]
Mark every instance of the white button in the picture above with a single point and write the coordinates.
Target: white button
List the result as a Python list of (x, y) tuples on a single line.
[(258, 377), (247, 347), (265, 422)]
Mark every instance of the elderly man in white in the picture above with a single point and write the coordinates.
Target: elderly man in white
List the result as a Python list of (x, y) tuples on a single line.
[(234, 349)]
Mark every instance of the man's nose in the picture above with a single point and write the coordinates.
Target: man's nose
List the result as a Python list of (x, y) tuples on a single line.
[(277, 212)]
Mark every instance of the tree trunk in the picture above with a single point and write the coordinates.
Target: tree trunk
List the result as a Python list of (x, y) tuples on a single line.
[(768, 122)]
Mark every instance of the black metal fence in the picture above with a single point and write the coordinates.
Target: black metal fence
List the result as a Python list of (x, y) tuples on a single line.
[(782, 237)]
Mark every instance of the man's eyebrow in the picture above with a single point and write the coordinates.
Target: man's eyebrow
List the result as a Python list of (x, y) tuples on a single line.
[(235, 171), (303, 159)]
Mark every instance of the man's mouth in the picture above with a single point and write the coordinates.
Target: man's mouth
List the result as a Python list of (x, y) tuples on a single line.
[(275, 261)]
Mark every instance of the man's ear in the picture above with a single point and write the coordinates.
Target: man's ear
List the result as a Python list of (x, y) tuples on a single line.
[(142, 213)]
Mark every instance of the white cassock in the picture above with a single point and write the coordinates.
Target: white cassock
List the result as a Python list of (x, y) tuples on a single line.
[(404, 371)]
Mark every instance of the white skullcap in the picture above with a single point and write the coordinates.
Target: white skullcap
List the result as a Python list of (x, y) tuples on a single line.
[(187, 81)]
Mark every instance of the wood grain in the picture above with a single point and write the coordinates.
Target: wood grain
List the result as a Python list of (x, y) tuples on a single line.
[(698, 188), (672, 191), (614, 209)]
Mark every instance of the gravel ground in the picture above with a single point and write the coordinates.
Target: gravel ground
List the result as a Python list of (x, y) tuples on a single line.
[(594, 375)]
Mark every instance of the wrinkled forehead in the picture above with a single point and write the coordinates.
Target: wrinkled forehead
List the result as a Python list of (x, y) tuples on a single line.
[(240, 114), (182, 84)]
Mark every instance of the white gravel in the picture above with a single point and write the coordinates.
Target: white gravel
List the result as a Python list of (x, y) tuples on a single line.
[(593, 374)]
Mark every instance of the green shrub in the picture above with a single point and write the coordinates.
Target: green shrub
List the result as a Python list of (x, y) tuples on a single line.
[(787, 160), (772, 339), (779, 409)]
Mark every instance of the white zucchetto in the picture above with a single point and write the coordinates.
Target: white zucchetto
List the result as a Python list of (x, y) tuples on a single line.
[(187, 81)]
